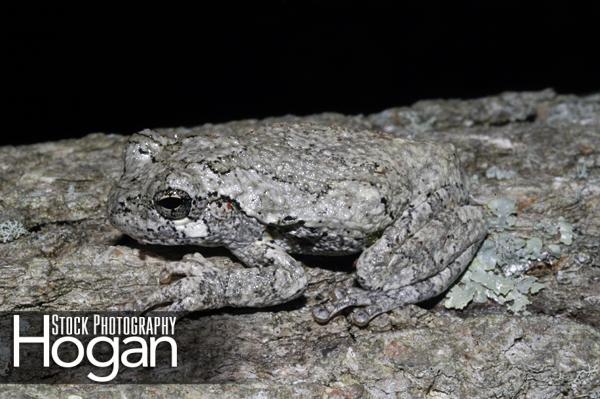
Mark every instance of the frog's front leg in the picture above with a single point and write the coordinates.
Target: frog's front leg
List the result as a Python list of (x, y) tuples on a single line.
[(416, 258), (272, 277)]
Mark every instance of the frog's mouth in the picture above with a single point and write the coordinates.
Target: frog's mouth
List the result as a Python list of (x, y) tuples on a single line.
[(191, 228)]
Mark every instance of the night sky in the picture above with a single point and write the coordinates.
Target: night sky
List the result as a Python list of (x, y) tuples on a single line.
[(72, 71)]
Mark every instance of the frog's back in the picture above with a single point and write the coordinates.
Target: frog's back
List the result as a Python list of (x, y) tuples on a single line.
[(313, 152), (322, 177)]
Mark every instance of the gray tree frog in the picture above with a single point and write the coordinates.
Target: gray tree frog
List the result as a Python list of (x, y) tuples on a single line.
[(268, 190)]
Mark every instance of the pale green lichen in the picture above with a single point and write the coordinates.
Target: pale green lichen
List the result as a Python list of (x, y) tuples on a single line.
[(562, 228), (11, 230), (566, 231), (502, 207), (494, 172), (581, 169), (554, 249), (482, 280), (505, 210), (534, 247), (497, 272), (417, 122)]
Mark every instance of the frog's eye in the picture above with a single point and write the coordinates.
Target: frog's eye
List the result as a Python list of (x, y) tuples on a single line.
[(173, 203)]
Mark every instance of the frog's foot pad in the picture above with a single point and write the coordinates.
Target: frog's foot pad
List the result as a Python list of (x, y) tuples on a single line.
[(362, 316), (341, 299)]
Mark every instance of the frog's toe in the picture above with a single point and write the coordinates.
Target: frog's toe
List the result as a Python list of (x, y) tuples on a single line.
[(321, 314), (361, 317), (179, 306), (193, 265), (166, 295), (328, 311), (139, 305)]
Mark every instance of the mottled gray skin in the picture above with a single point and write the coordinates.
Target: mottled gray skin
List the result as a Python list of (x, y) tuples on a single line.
[(272, 189)]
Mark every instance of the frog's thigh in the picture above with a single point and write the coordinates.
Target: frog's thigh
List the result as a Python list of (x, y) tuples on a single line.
[(429, 238), (428, 251), (427, 263), (370, 304), (373, 264), (384, 301)]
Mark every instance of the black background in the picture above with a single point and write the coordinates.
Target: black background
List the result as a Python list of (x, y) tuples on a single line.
[(74, 70)]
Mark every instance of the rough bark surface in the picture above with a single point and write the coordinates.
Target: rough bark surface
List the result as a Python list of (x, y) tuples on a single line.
[(72, 259)]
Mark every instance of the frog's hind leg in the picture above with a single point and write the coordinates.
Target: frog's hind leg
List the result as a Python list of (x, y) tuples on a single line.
[(423, 265), (370, 304), (384, 301), (411, 262)]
